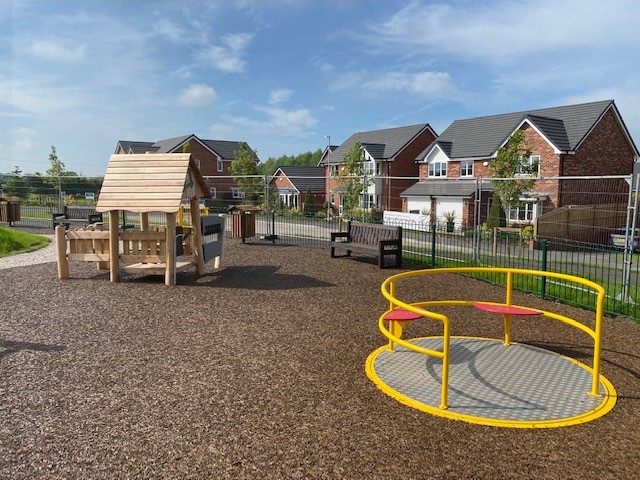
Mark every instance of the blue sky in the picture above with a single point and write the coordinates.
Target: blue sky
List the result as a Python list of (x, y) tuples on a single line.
[(283, 74)]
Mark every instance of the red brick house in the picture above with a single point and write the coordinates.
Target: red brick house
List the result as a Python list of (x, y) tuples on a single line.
[(390, 152), (588, 139), (213, 158), (292, 183)]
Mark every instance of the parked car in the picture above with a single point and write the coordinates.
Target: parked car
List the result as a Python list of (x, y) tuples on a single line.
[(618, 237)]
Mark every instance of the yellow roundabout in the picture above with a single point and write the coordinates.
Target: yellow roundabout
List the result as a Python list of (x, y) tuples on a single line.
[(489, 381)]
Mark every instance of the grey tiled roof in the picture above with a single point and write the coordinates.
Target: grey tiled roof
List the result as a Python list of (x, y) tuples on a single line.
[(136, 147), (166, 146), (225, 148), (565, 126), (376, 150), (443, 188), (300, 177), (393, 140)]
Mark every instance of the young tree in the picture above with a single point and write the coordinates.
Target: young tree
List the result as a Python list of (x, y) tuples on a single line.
[(352, 185), (186, 148), (308, 202), (243, 166), (506, 165), (56, 172)]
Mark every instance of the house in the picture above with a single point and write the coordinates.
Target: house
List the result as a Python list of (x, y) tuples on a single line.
[(390, 152), (213, 158), (292, 183), (329, 149), (588, 139)]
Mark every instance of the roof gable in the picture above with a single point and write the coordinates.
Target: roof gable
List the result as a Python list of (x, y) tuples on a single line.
[(393, 139), (303, 177), (481, 137)]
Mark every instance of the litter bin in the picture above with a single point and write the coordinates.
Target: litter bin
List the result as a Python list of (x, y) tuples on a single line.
[(243, 221), (10, 210)]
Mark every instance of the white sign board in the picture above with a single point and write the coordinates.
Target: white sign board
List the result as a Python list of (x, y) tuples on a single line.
[(411, 221)]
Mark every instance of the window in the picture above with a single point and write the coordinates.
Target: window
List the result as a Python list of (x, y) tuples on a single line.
[(332, 198), (529, 166), (369, 168), (466, 168), (213, 192), (197, 160), (525, 211), (333, 169), (370, 200), (220, 165), (378, 168), (237, 193), (438, 169)]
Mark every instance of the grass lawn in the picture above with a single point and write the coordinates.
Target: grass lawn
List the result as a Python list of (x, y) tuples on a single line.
[(15, 241)]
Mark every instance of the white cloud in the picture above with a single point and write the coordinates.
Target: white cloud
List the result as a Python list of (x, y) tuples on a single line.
[(428, 84), (170, 31), (197, 95), (25, 138), (58, 50), (506, 30), (279, 95), (227, 57), (277, 123)]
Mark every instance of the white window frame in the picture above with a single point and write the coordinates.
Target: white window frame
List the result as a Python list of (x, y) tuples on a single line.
[(197, 160), (236, 193), (527, 163), (220, 165), (213, 192), (334, 169), (528, 206), (369, 168), (440, 171), (466, 168)]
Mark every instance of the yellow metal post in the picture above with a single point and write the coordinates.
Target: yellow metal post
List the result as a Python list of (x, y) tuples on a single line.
[(506, 317), (181, 216), (444, 394), (597, 346), (392, 328)]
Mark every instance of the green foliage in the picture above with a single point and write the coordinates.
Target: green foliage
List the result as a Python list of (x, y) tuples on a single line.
[(57, 168), (244, 165), (307, 159), (308, 202), (353, 170), (527, 232), (186, 148), (495, 214), (506, 165), (15, 241)]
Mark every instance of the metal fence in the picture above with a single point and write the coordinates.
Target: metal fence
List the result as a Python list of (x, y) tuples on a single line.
[(595, 236)]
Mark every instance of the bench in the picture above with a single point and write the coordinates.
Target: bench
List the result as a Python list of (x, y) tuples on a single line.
[(370, 238)]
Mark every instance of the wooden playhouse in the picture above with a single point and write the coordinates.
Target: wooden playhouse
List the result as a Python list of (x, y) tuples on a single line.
[(147, 184)]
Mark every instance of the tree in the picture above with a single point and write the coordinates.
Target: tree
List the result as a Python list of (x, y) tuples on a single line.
[(55, 172), (353, 185), (306, 159), (506, 166), (186, 148), (308, 202), (243, 167)]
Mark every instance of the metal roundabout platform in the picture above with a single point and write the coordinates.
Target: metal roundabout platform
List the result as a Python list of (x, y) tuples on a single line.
[(517, 385)]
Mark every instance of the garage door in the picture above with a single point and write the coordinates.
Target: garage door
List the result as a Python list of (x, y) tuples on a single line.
[(449, 204)]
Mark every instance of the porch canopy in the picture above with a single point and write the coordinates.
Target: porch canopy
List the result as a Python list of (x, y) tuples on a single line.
[(150, 183)]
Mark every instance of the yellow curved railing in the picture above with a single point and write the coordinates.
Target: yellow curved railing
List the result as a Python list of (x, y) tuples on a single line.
[(388, 289)]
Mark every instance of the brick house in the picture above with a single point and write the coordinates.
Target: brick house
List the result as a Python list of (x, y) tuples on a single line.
[(292, 183), (588, 139), (213, 158), (390, 152)]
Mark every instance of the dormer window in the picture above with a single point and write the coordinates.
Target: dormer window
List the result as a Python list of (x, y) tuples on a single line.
[(529, 166)]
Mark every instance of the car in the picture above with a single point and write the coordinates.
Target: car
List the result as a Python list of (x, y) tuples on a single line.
[(618, 238), (90, 196)]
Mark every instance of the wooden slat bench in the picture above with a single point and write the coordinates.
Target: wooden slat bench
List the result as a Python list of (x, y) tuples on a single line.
[(370, 238)]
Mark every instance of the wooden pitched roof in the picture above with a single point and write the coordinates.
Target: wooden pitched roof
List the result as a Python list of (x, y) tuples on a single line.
[(150, 182)]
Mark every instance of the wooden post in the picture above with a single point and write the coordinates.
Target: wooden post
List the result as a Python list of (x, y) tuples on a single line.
[(144, 222), (170, 269), (114, 246), (197, 234), (61, 251), (99, 247)]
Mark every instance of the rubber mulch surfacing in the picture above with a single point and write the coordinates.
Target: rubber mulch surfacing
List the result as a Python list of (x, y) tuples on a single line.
[(256, 371)]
